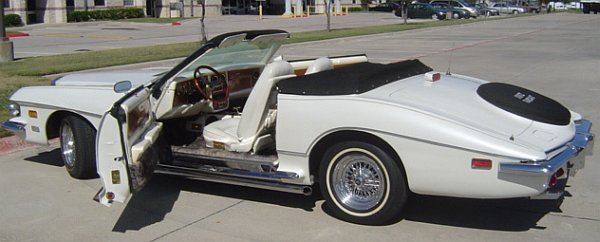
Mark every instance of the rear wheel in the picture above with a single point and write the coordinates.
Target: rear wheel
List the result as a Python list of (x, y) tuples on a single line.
[(434, 17), (77, 146), (362, 184), (515, 12), (455, 16)]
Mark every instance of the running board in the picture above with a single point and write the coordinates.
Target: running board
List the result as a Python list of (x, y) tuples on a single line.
[(261, 180)]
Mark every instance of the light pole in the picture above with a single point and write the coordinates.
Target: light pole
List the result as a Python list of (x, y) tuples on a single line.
[(6, 46)]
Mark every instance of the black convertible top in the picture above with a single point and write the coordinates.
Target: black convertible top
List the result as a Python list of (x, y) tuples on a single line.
[(351, 79)]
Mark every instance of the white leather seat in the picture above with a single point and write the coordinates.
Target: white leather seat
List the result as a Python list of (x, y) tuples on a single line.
[(320, 64), (243, 134)]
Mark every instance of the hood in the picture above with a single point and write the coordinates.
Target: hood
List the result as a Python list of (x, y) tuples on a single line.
[(108, 79), (455, 98)]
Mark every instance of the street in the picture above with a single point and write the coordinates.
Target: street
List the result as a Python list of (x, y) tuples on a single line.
[(554, 54)]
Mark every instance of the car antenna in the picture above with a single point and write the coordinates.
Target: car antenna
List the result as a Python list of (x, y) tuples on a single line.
[(448, 73)]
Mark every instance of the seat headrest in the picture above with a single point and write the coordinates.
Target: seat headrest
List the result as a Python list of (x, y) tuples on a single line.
[(320, 64)]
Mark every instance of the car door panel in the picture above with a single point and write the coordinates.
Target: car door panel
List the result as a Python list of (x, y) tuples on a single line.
[(127, 147)]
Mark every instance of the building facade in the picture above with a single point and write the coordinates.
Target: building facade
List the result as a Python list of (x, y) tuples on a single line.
[(55, 11)]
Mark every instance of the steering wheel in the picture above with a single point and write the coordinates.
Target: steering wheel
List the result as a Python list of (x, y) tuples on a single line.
[(207, 87)]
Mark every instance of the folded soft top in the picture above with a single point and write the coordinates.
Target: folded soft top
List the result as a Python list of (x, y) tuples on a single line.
[(351, 79)]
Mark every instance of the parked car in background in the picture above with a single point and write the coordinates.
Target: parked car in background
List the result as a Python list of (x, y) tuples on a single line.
[(456, 12), (485, 10), (459, 4), (507, 8), (531, 6), (590, 6), (423, 10), (385, 7), (557, 5)]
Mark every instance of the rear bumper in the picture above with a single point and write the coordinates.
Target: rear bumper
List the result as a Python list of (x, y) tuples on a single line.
[(571, 159)]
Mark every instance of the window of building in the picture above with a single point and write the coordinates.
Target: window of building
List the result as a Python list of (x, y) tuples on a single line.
[(128, 2), (98, 2), (6, 3)]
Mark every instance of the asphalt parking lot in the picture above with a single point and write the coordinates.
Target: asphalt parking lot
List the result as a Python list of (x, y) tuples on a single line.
[(554, 54), (52, 39)]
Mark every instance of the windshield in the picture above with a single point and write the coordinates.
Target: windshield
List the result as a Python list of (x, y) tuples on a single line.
[(242, 54), (236, 50)]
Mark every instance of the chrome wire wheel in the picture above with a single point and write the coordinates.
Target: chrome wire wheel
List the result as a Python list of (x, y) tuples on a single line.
[(67, 144), (358, 181), (362, 183)]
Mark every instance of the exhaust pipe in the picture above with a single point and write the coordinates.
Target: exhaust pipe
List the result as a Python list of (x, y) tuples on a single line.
[(307, 191)]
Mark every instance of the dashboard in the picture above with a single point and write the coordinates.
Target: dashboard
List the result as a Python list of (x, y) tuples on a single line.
[(183, 99)]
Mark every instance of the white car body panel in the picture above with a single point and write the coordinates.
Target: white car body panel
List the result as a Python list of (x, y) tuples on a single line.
[(435, 129), (88, 102), (109, 78)]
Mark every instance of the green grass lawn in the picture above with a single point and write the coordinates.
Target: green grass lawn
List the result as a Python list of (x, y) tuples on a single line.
[(29, 71)]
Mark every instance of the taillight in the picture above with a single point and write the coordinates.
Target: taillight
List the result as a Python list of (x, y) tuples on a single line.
[(554, 179)]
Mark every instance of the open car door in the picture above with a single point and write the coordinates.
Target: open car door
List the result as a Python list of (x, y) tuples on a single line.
[(127, 147)]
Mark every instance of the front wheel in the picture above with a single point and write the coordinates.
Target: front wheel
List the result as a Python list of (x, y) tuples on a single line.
[(515, 12), (362, 184), (434, 17), (77, 147)]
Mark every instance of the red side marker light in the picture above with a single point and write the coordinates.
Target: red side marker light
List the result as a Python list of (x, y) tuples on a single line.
[(110, 196), (481, 164)]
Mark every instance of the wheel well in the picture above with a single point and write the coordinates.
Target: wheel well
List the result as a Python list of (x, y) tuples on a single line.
[(53, 123), (321, 147)]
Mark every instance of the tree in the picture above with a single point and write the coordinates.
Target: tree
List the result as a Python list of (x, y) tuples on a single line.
[(328, 14), (365, 4), (202, 27)]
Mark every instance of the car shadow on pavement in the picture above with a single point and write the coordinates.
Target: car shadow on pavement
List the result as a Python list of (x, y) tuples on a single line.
[(519, 214), (51, 158), (158, 197)]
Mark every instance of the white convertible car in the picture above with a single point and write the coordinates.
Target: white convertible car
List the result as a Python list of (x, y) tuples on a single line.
[(368, 133)]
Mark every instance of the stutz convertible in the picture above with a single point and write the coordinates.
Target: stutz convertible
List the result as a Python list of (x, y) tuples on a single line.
[(369, 134)]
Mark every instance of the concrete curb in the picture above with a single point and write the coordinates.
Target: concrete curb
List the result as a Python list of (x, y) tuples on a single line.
[(17, 35), (13, 144)]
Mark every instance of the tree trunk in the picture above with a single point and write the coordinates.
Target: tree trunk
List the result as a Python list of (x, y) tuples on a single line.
[(328, 14), (202, 27)]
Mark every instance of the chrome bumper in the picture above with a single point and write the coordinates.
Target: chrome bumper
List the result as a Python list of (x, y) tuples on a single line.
[(16, 128), (573, 157)]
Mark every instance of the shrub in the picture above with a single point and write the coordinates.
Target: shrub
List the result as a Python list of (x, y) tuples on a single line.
[(112, 14), (355, 9), (12, 20)]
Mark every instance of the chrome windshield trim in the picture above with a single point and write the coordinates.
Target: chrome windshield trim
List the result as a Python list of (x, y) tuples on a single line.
[(583, 141)]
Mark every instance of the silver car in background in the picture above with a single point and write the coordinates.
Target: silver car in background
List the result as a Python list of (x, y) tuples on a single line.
[(459, 4), (507, 8)]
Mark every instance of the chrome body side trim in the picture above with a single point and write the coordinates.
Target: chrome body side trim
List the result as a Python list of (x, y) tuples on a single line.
[(264, 180), (580, 146)]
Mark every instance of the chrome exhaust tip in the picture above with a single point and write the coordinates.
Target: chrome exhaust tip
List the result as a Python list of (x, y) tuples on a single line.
[(307, 191)]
